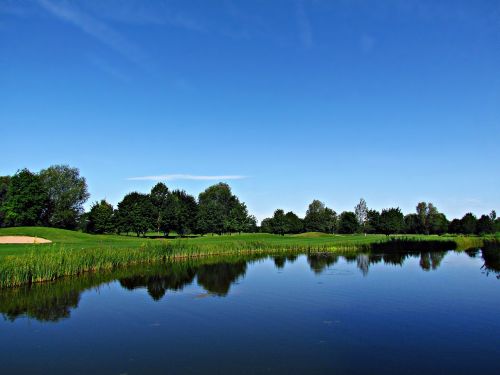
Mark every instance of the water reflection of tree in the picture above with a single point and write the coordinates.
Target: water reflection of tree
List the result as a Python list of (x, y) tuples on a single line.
[(158, 285), (491, 256), (217, 278), (279, 261), (431, 260), (363, 263), (319, 262)]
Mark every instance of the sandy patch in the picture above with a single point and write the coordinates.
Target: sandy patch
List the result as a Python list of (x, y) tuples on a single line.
[(22, 239)]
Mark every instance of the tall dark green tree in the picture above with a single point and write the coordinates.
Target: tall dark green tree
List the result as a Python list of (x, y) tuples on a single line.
[(4, 187), (319, 218), (179, 213), (294, 223), (279, 223), (430, 220), (373, 221), (135, 214), (67, 192), (101, 218), (412, 224), (455, 226), (485, 225), (392, 221), (468, 223), (266, 225), (313, 221), (348, 223), (26, 200), (218, 210), (159, 195)]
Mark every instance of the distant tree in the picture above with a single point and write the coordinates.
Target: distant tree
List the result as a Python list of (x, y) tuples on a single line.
[(251, 224), (438, 224), (4, 187), (455, 226), (412, 224), (361, 211), (348, 223), (159, 195), (25, 202), (485, 225), (187, 212), (266, 225), (422, 216), (279, 223), (67, 192), (468, 223), (391, 221), (240, 221), (319, 218), (313, 221), (493, 215), (330, 220), (429, 219), (373, 221), (101, 218), (215, 204), (294, 223), (179, 213), (135, 214)]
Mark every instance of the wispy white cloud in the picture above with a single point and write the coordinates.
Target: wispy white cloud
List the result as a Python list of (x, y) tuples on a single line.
[(93, 27), (305, 33), (172, 177)]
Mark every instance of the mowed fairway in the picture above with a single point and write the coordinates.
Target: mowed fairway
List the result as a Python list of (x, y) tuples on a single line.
[(73, 240)]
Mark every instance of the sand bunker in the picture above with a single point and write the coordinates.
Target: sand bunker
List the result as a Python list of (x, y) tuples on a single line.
[(22, 239)]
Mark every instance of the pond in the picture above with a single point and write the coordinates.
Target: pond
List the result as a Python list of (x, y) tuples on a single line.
[(398, 313)]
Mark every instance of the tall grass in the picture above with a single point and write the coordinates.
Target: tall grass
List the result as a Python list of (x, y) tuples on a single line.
[(58, 260)]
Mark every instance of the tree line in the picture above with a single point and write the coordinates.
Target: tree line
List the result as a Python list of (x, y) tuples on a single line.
[(425, 220), (55, 196), (217, 210)]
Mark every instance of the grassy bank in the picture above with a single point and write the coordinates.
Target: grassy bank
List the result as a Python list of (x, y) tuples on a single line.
[(73, 253)]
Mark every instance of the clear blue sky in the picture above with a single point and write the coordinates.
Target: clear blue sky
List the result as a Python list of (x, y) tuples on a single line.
[(393, 101)]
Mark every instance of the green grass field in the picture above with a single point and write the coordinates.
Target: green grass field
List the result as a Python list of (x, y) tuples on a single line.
[(73, 253)]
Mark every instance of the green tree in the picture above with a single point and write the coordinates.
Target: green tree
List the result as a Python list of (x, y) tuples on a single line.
[(26, 200), (313, 221), (294, 223), (329, 220), (101, 218), (373, 221), (279, 223), (218, 210), (135, 214), (159, 195), (438, 224), (485, 225), (392, 221), (348, 223), (67, 192), (266, 225), (4, 187), (455, 226), (412, 223), (179, 213), (319, 218), (430, 220), (468, 223)]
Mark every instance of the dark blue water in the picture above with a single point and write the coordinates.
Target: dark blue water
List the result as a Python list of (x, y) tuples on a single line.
[(429, 313)]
